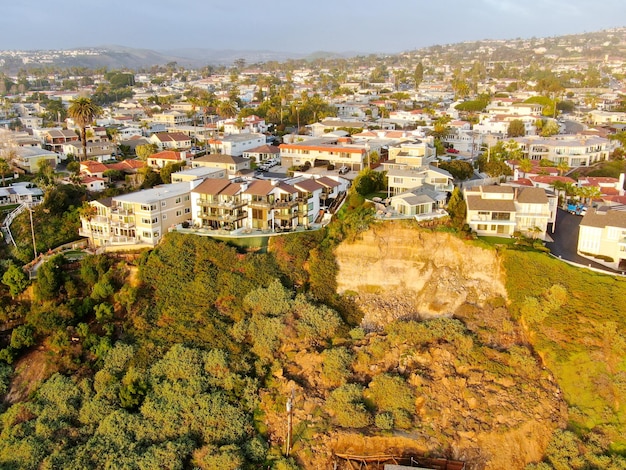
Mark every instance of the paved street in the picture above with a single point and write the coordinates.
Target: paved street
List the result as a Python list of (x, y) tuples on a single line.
[(565, 239)]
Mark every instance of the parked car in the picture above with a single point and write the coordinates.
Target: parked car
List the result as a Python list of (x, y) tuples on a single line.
[(452, 151), (343, 170)]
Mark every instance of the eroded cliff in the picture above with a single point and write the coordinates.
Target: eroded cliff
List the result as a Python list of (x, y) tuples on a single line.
[(399, 272)]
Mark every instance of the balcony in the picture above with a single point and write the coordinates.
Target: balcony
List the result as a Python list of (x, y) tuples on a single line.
[(121, 211), (232, 217), (122, 224), (285, 215), (230, 204)]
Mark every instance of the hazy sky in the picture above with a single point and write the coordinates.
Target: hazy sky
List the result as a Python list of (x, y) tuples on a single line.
[(294, 26)]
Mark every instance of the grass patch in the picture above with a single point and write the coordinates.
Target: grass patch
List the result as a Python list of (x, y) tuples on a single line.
[(498, 240), (581, 337)]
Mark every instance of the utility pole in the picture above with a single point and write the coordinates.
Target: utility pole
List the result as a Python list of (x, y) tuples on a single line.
[(289, 422)]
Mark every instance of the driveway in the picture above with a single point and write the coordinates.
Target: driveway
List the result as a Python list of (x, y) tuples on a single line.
[(565, 238)]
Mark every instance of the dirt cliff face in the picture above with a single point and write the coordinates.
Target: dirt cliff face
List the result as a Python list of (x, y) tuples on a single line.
[(400, 272), (497, 409)]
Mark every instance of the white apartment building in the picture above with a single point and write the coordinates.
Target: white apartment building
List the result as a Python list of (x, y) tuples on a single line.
[(236, 144), (575, 150)]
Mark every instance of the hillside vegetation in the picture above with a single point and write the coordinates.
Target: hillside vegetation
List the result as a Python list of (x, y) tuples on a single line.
[(185, 356)]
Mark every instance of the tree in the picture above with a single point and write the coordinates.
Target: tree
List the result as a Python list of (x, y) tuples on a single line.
[(418, 74), (525, 165), (516, 128), (145, 150), (15, 279), (457, 208), (459, 169), (83, 111), (5, 169), (550, 128), (563, 167), (88, 212)]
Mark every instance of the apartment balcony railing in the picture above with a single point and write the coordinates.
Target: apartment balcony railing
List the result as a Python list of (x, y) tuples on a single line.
[(233, 217), (285, 215), (121, 224), (234, 204), (121, 211)]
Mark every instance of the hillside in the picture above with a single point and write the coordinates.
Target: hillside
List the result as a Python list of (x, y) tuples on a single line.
[(190, 365)]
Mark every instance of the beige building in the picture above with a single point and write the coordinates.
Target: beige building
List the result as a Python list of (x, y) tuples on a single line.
[(602, 237), (409, 168), (502, 210), (138, 218)]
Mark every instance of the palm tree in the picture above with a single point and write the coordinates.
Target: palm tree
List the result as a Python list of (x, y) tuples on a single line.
[(227, 109), (83, 111), (563, 167), (88, 212)]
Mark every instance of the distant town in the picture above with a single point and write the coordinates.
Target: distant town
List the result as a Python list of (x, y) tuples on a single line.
[(523, 130)]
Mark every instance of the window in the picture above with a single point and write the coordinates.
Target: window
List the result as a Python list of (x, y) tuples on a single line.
[(164, 216), (187, 196), (187, 210), (481, 227), (163, 203), (179, 213), (178, 200), (501, 216), (156, 235)]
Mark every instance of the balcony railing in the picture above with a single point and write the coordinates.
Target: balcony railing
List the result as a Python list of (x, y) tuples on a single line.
[(121, 211), (234, 204), (225, 217)]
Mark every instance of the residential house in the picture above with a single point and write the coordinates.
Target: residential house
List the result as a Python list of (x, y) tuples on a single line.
[(92, 183), (602, 236), (320, 151), (263, 153), (575, 150), (170, 140), (503, 210), (54, 139), (236, 144), (424, 202), (309, 197), (93, 168), (409, 167), (272, 206), (200, 172), (20, 193), (233, 165), (161, 159), (29, 158), (171, 118), (219, 204), (142, 217), (331, 190), (100, 150)]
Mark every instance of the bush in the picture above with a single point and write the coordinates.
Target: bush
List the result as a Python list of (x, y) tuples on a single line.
[(346, 403), (384, 421)]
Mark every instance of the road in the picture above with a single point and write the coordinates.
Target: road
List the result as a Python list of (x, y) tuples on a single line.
[(565, 242)]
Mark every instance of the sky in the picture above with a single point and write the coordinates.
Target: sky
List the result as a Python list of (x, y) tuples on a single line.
[(364, 26)]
